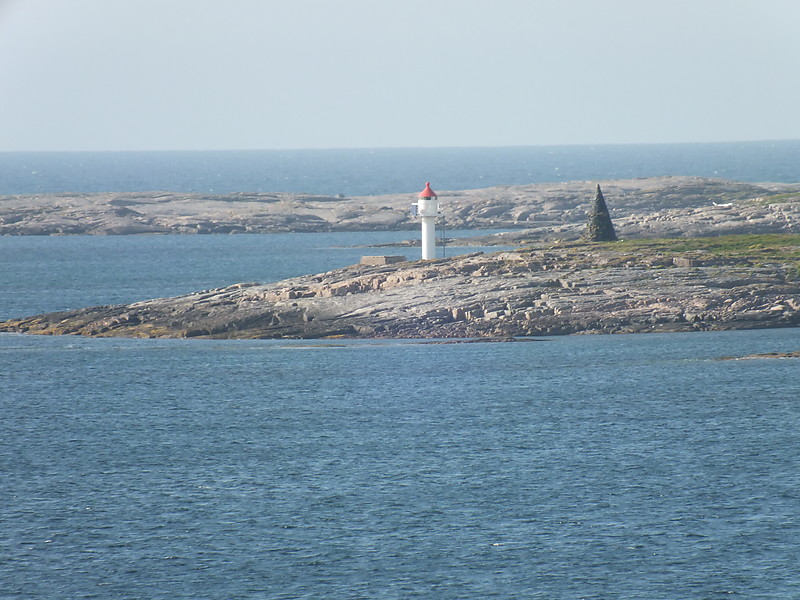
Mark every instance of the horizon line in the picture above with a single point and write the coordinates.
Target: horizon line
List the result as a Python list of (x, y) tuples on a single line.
[(380, 148)]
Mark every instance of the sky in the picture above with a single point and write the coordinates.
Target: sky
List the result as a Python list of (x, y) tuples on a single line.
[(288, 74)]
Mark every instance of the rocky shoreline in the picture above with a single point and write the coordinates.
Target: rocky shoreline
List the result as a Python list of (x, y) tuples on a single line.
[(765, 355), (733, 282)]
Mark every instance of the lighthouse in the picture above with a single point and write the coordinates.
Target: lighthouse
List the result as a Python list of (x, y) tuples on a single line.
[(427, 208)]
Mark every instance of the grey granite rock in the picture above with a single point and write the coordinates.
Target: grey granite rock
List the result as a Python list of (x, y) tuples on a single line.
[(652, 207), (561, 289)]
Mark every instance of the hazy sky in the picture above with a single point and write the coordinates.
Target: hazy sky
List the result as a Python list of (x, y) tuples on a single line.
[(247, 74)]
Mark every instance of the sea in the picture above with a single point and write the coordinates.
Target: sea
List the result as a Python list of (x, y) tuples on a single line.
[(648, 467)]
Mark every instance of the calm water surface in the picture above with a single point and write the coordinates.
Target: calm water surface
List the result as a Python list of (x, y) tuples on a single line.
[(630, 467), (577, 467), (360, 172)]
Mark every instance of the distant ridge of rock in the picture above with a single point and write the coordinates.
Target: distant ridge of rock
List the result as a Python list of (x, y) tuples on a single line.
[(650, 207)]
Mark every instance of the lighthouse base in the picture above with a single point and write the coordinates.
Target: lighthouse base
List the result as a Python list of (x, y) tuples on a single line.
[(428, 238)]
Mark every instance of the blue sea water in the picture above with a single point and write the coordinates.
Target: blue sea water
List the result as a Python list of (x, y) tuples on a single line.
[(577, 467), (596, 467), (356, 172)]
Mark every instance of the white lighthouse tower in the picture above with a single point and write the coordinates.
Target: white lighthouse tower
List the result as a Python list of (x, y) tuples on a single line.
[(427, 208)]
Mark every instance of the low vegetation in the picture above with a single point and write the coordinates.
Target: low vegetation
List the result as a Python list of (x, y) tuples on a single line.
[(747, 250), (780, 198), (780, 244)]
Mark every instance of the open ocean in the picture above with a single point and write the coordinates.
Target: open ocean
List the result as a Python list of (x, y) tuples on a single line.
[(385, 171), (581, 467)]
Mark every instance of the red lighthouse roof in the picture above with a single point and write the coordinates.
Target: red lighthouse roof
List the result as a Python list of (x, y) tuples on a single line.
[(427, 192)]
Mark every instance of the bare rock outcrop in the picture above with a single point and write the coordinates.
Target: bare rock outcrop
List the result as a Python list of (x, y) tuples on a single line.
[(716, 283), (651, 207)]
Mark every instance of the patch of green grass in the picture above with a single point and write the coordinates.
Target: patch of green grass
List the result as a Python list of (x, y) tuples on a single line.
[(780, 198), (780, 244), (754, 249), (748, 249), (778, 251)]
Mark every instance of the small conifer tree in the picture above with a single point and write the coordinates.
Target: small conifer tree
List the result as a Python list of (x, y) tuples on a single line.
[(600, 228)]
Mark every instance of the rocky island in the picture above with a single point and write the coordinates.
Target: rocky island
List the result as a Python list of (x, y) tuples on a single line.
[(696, 254), (729, 282)]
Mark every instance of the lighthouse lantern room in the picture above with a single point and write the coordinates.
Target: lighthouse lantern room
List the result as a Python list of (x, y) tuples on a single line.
[(427, 209)]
